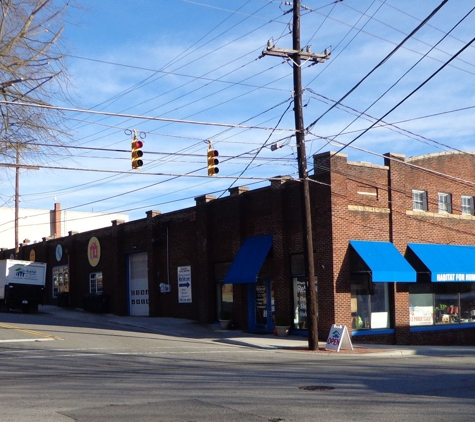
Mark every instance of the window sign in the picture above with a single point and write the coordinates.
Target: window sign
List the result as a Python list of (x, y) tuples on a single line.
[(261, 303), (184, 284), (421, 315), (300, 301)]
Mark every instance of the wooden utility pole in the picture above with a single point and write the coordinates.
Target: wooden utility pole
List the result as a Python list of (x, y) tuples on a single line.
[(17, 199), (296, 54)]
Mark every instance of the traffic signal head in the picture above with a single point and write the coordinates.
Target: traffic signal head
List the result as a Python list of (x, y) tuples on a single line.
[(212, 162), (137, 153)]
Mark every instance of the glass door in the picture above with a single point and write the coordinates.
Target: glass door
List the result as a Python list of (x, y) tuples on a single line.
[(261, 306)]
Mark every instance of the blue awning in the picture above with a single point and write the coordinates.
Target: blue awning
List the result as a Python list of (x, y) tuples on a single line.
[(446, 263), (249, 260), (384, 261)]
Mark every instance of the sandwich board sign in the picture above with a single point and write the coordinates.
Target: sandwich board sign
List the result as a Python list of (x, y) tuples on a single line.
[(338, 338)]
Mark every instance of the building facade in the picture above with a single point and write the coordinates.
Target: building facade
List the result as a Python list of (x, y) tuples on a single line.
[(393, 244)]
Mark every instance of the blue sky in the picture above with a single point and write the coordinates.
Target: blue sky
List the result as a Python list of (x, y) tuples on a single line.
[(199, 60)]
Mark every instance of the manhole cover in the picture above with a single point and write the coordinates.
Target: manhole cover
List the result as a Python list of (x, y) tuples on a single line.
[(316, 388)]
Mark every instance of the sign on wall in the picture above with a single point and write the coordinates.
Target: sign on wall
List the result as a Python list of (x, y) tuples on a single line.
[(59, 252), (184, 284), (94, 251)]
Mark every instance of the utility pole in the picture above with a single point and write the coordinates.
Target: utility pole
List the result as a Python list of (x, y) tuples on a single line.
[(17, 199), (296, 55)]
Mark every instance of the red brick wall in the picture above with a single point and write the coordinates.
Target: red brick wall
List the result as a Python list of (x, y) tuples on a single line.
[(348, 201)]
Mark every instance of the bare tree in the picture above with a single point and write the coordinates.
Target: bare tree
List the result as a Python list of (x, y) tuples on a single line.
[(32, 70)]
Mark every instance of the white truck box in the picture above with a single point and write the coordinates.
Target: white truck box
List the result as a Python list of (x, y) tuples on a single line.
[(22, 283)]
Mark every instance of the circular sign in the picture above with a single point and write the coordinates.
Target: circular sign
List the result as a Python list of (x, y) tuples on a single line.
[(32, 255), (59, 252), (94, 251)]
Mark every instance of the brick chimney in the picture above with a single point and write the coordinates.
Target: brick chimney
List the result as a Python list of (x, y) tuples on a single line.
[(57, 221)]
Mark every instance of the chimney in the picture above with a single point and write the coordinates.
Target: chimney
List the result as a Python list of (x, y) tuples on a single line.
[(238, 190), (57, 221)]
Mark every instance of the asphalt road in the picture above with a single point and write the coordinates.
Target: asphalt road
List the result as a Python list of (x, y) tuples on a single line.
[(55, 368)]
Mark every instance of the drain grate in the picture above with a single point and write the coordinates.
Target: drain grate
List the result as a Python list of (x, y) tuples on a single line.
[(317, 388)]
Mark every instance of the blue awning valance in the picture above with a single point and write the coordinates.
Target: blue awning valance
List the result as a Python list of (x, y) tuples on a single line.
[(249, 260), (384, 261), (445, 263)]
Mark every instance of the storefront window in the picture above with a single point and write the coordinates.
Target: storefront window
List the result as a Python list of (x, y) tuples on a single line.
[(421, 300), (224, 292), (297, 269), (369, 303), (300, 302), (467, 302), (60, 280), (95, 283), (226, 300), (442, 303), (261, 303), (446, 302)]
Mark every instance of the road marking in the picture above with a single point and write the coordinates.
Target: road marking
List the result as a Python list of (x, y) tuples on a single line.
[(26, 340), (33, 332)]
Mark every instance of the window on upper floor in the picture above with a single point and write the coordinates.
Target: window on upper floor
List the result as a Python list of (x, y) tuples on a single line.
[(467, 205), (445, 203), (419, 200)]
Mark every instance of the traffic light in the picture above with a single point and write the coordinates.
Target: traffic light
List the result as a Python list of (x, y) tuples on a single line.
[(212, 161), (137, 153)]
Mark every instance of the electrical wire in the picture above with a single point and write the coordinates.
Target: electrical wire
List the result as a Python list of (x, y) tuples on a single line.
[(407, 71), (411, 93), (263, 145), (431, 15)]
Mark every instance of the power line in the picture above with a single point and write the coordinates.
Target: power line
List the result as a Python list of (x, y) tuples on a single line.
[(309, 127), (411, 93), (406, 72)]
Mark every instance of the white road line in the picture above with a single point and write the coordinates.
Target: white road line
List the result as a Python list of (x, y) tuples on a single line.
[(26, 340)]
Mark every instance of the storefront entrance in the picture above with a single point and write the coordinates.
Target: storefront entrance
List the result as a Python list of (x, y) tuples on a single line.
[(261, 306)]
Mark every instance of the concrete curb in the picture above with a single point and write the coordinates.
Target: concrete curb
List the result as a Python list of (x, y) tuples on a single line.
[(292, 344)]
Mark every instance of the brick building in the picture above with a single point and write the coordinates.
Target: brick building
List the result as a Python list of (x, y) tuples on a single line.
[(393, 260)]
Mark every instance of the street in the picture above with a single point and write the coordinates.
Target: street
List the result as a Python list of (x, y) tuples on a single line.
[(89, 368)]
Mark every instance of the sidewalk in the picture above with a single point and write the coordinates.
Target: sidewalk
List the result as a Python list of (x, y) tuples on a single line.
[(298, 344)]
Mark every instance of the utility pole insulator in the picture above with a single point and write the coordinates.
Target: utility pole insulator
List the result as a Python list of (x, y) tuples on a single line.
[(306, 54)]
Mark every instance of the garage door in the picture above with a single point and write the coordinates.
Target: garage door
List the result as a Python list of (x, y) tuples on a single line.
[(138, 285)]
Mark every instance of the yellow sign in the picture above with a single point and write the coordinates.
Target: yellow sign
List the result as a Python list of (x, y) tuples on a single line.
[(94, 251)]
